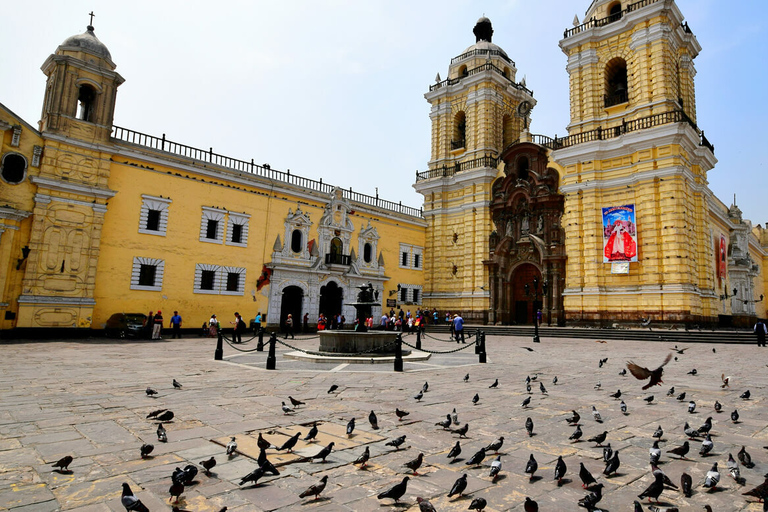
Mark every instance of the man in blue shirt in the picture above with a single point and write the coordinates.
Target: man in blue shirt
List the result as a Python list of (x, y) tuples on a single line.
[(458, 328), (176, 324)]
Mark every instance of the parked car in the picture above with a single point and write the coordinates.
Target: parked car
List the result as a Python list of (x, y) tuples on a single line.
[(126, 325)]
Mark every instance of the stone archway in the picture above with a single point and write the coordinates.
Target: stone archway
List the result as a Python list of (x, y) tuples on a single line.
[(525, 293), (291, 303), (331, 296)]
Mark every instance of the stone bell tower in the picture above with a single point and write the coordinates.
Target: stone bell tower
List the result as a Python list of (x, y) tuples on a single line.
[(477, 111), (633, 141)]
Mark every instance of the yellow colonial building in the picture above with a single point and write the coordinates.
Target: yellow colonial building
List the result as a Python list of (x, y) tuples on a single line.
[(613, 223)]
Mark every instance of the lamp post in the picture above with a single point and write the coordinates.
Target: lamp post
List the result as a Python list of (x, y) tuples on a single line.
[(535, 296)]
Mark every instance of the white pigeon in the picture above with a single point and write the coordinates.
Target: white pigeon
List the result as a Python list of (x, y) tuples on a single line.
[(623, 407), (691, 406), (455, 417), (713, 477), (598, 385), (286, 409), (496, 466), (596, 415), (231, 447), (655, 452)]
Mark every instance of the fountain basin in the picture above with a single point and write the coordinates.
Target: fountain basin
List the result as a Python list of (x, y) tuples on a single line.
[(372, 343)]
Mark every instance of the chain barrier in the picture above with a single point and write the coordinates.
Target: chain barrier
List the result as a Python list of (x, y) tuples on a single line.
[(469, 336), (462, 347), (234, 345), (338, 354)]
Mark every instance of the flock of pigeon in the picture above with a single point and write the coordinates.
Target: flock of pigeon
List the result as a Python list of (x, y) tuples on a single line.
[(183, 477)]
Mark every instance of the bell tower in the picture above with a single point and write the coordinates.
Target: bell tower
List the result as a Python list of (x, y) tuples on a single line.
[(477, 111), (633, 141)]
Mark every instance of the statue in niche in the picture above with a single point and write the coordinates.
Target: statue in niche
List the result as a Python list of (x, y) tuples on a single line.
[(526, 226), (511, 228), (540, 224)]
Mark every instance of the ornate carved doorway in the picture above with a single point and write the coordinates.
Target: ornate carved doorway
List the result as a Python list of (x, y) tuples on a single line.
[(526, 293)]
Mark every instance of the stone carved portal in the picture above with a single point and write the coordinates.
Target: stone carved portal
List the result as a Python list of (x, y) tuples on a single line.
[(526, 263)]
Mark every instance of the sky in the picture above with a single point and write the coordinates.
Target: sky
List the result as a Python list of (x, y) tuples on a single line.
[(334, 89)]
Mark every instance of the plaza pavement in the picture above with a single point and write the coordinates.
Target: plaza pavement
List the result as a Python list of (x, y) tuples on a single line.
[(87, 399)]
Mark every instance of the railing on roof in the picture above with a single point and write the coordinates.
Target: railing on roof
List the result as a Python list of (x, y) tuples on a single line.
[(480, 51), (608, 19), (263, 171), (449, 170), (483, 67)]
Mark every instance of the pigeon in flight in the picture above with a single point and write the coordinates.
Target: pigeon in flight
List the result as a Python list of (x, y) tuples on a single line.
[(396, 491), (316, 489), (397, 442), (312, 434), (63, 464), (455, 451), (415, 464), (459, 486), (131, 502), (495, 467), (401, 414), (146, 449), (642, 373), (176, 384), (681, 451), (363, 459), (531, 467), (162, 435), (373, 420), (231, 447), (726, 381)]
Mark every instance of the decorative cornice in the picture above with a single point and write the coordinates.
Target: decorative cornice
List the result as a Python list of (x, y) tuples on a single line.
[(9, 213), (72, 188), (59, 301)]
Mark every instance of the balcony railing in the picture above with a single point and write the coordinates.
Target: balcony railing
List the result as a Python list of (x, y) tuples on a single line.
[(601, 22), (337, 259), (449, 170), (196, 155), (484, 67), (457, 144), (616, 98), (473, 53)]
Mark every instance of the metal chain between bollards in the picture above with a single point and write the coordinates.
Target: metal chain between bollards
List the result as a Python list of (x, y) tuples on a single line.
[(462, 347), (337, 354)]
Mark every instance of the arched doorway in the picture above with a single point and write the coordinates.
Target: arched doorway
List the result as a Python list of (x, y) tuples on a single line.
[(291, 304), (526, 293), (330, 299)]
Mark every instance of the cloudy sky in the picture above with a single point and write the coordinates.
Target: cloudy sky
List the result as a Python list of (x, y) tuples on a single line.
[(334, 89)]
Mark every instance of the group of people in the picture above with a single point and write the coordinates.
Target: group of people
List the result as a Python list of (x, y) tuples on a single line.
[(337, 321), (213, 326), (153, 326)]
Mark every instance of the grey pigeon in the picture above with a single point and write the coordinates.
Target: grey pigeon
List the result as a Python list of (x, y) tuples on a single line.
[(733, 470), (425, 387), (455, 451), (613, 465), (424, 504), (286, 409), (706, 446), (350, 427), (446, 423), (363, 459), (745, 458), (231, 447), (461, 431), (397, 442), (735, 415), (623, 407), (495, 467), (658, 433), (593, 498), (671, 391), (692, 433), (253, 476), (576, 436), (162, 435), (712, 478), (655, 452), (466, 378), (455, 417), (607, 452), (418, 396), (718, 406), (691, 407), (325, 452), (131, 502), (316, 489)]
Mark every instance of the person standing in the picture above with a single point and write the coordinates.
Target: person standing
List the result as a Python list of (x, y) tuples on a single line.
[(239, 327), (289, 326), (157, 326), (257, 323), (538, 317), (149, 325), (213, 326), (306, 323), (760, 331), (176, 325), (458, 327)]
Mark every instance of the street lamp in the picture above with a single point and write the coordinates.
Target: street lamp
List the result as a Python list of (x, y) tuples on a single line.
[(753, 301), (535, 295), (725, 296)]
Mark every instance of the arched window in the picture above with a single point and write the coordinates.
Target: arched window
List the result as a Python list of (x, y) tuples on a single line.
[(616, 90), (13, 168), (86, 103), (367, 252), (522, 168), (614, 12), (459, 131), (337, 246), (507, 131), (296, 244), (463, 72)]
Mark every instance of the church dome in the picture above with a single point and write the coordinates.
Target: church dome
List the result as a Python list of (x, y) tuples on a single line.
[(483, 31), (88, 42)]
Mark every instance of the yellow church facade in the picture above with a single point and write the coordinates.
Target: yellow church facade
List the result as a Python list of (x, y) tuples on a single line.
[(613, 223)]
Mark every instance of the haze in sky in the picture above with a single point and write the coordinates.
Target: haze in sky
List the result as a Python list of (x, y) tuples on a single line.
[(334, 89)]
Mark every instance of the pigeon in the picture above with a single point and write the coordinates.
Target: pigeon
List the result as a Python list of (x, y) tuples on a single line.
[(528, 388), (208, 465), (590, 500), (598, 386), (322, 454), (733, 470), (131, 502), (478, 504), (693, 372), (401, 414), (745, 395), (425, 387), (598, 439), (600, 363), (616, 395), (154, 414), (446, 423), (623, 372), (454, 417), (531, 466), (263, 443), (477, 458), (415, 464), (151, 392), (613, 465), (576, 436), (726, 381), (686, 483), (461, 431), (455, 451), (745, 458), (350, 427), (373, 420), (166, 416), (542, 388), (267, 466), (189, 474), (396, 491), (667, 482), (253, 476), (286, 409), (316, 489), (586, 477), (654, 490), (290, 443), (658, 433), (231, 447), (363, 459), (525, 403), (554, 380), (691, 406), (607, 452), (530, 505), (671, 391), (574, 418), (466, 378), (760, 492), (712, 478), (146, 449), (494, 385), (623, 407), (176, 384), (495, 467), (681, 397), (312, 434), (529, 426), (424, 504), (706, 446), (63, 464), (735, 415), (162, 435), (177, 475), (396, 442), (494, 446), (680, 451), (333, 388), (596, 415), (648, 399), (706, 427), (560, 469), (475, 399), (641, 373), (459, 486), (655, 453), (294, 402), (718, 406), (692, 433), (535, 376), (418, 396)]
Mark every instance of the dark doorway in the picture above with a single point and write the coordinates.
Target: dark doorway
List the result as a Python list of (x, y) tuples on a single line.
[(330, 300), (526, 293), (291, 304)]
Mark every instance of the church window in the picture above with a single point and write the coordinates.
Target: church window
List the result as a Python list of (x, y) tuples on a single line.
[(416, 296), (404, 260), (614, 12), (14, 168), (403, 294), (237, 233), (211, 229), (147, 274), (233, 281), (296, 241), (337, 246), (463, 72), (409, 293), (207, 280), (459, 131), (153, 217), (367, 252), (212, 226), (153, 220), (411, 256), (237, 229), (522, 168), (616, 82), (86, 103), (416, 261), (219, 280)]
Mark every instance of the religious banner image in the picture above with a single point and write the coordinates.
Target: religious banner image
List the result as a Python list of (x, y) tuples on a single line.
[(722, 258), (619, 234)]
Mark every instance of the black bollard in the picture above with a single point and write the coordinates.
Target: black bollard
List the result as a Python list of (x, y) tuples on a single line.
[(536, 331), (218, 355), (418, 339), (481, 341), (478, 342), (260, 344), (271, 359), (399, 353)]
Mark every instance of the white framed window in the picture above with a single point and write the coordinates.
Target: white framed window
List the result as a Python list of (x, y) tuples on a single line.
[(410, 293), (233, 280), (212, 225), (153, 218), (147, 274), (219, 280), (411, 256), (237, 229)]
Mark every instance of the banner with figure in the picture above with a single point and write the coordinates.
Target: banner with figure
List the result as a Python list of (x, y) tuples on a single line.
[(619, 234)]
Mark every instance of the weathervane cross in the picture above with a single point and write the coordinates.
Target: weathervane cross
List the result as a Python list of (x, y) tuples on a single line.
[(91, 15)]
